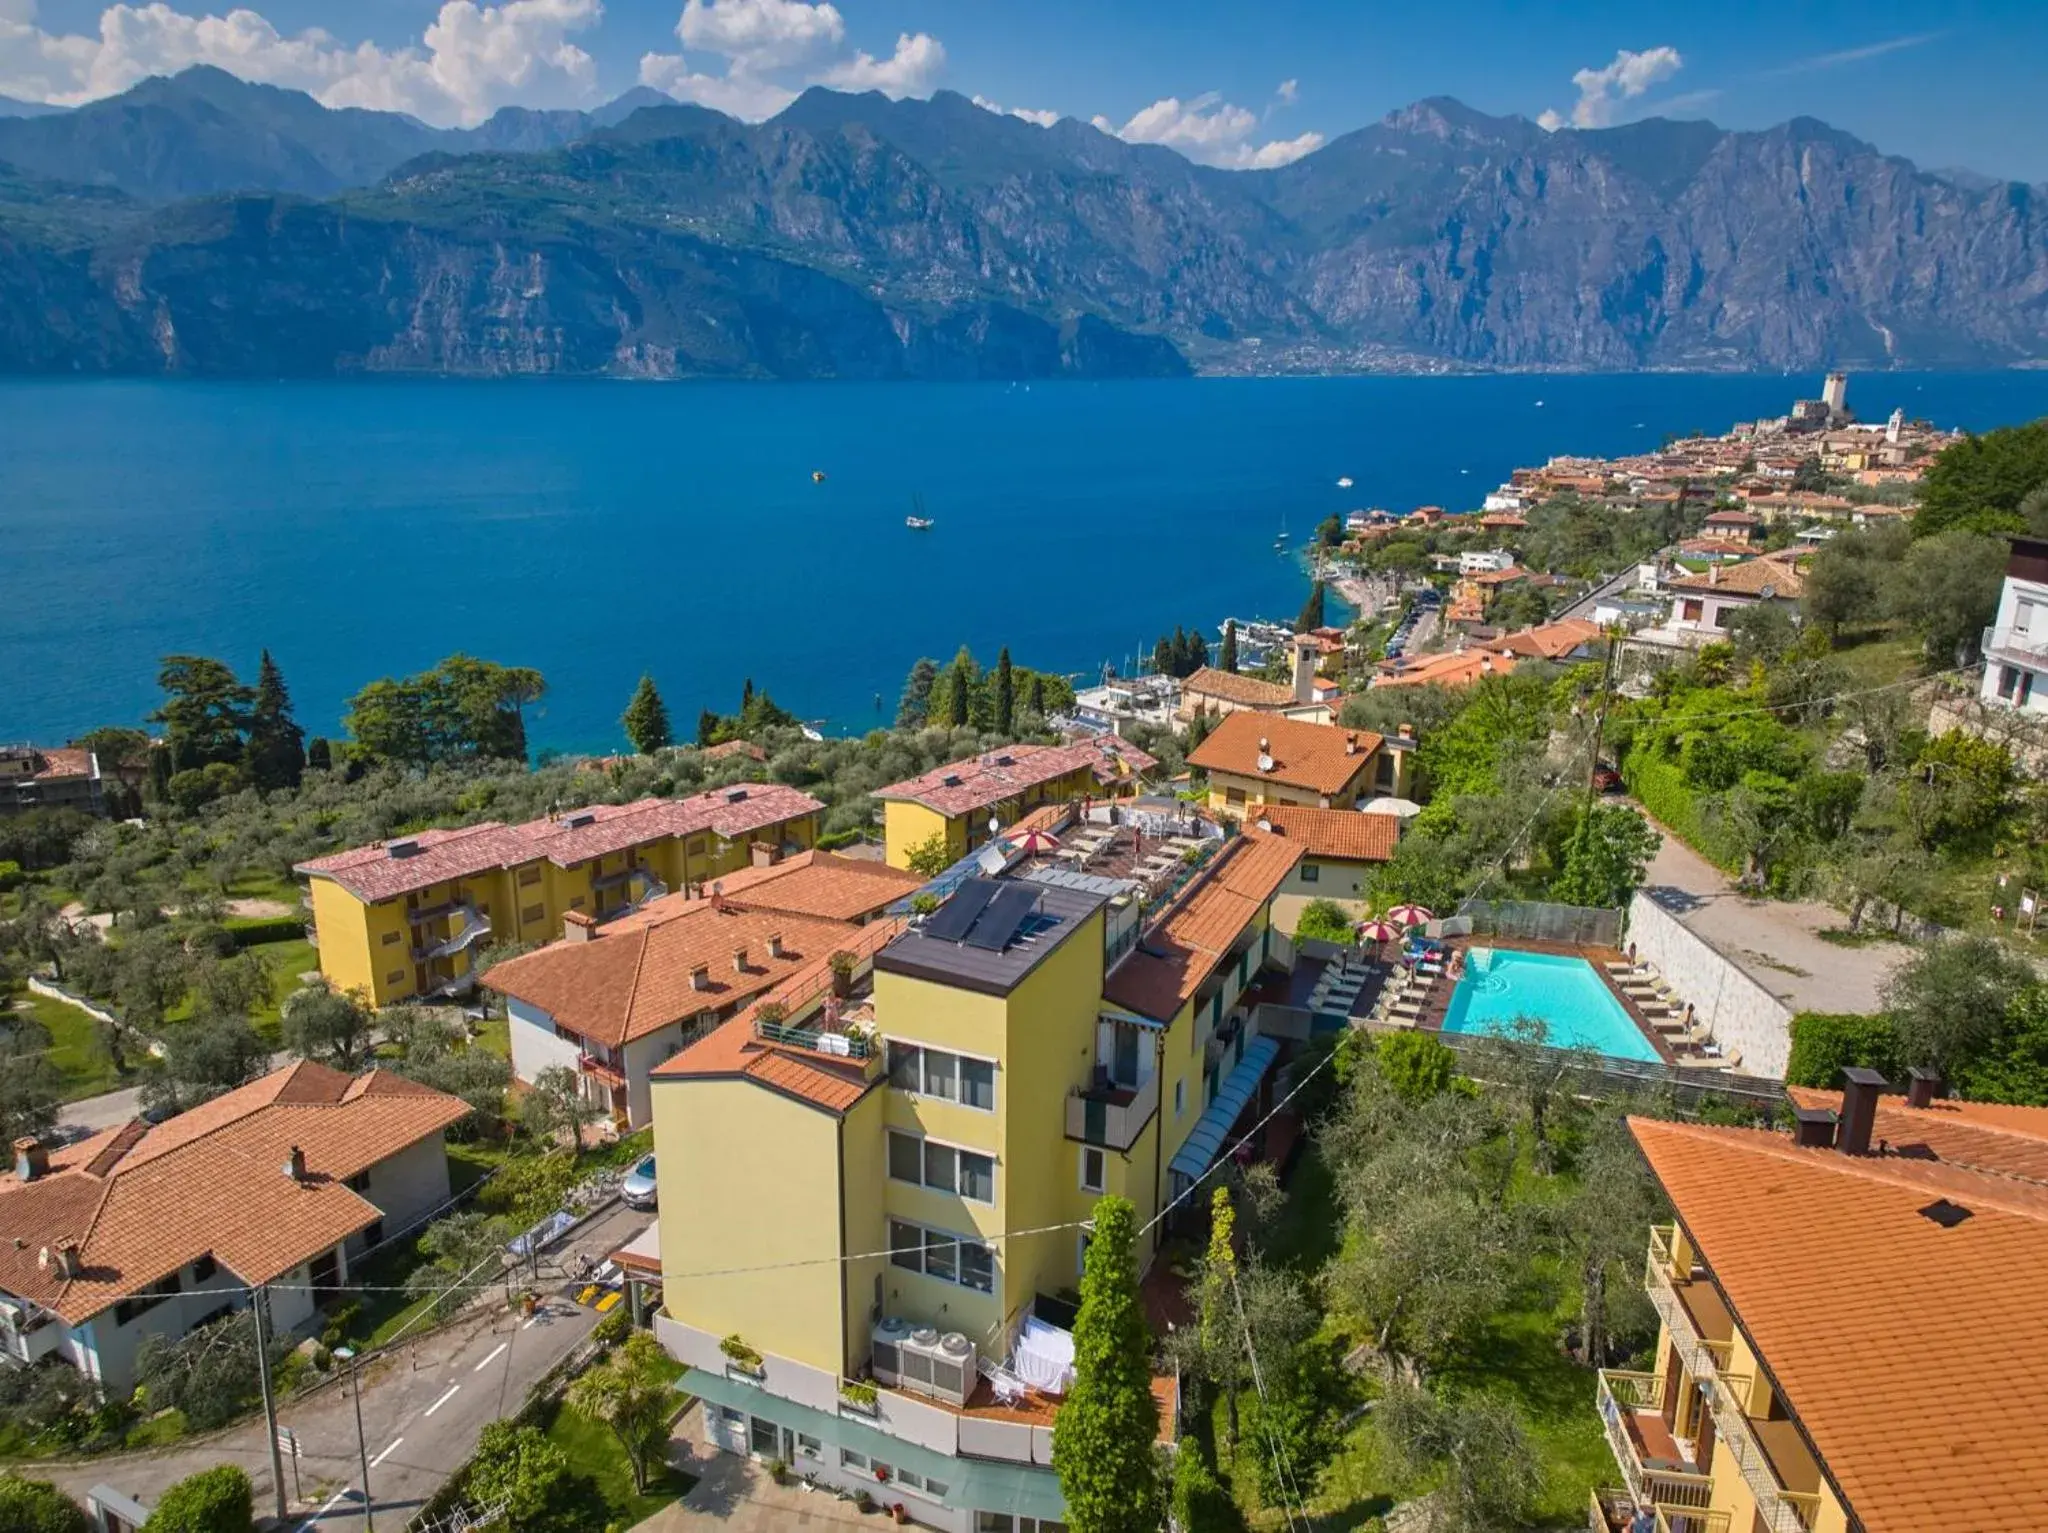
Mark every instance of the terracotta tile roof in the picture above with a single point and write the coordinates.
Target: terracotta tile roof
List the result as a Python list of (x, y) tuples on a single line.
[(1912, 1356), (1179, 952), (1504, 577), (820, 884), (1310, 756), (745, 748), (373, 873), (1117, 761), (1749, 578), (1983, 1136), (1230, 687), (632, 977), (1341, 833), (143, 1202), (1460, 668), (961, 787), (62, 761), (1548, 641)]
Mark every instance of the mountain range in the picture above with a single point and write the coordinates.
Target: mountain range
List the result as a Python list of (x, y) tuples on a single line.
[(201, 225)]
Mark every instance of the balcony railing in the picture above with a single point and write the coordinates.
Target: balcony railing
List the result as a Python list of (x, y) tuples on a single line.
[(2023, 644), (817, 1039), (470, 929), (1111, 1116), (1684, 1519), (1626, 1394)]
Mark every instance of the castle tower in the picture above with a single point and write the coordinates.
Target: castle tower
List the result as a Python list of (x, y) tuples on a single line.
[(1835, 393), (1895, 425)]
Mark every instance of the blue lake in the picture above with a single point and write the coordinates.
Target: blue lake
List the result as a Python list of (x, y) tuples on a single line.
[(596, 530)]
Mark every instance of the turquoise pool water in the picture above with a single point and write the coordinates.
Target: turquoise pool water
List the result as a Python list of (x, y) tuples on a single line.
[(1572, 1001)]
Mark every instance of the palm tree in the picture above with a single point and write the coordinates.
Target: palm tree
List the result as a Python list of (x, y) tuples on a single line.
[(632, 1396)]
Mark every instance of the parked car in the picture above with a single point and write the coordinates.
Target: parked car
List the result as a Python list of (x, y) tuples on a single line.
[(1606, 780), (637, 1187)]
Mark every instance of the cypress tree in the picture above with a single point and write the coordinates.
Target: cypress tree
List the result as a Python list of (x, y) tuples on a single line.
[(646, 719), (319, 754), (1102, 1445), (1227, 660), (1163, 657), (1006, 694), (707, 727), (746, 694), (916, 705), (959, 696), (1035, 700), (276, 751), (1311, 610), (1194, 653)]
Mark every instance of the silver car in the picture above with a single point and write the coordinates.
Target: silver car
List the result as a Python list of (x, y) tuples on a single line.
[(637, 1187)]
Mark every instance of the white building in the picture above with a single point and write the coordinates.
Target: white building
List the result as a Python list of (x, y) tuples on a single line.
[(152, 1230), (1485, 561), (2016, 644)]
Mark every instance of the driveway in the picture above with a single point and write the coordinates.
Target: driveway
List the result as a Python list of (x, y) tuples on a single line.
[(1775, 942), (423, 1407)]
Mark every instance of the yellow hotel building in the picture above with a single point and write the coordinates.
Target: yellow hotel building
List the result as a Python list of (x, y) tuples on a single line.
[(1851, 1323), (887, 1186), (955, 802), (400, 920), (1257, 759)]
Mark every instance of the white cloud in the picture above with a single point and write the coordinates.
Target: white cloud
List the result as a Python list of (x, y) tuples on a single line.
[(1029, 114), (1603, 90), (910, 71), (1210, 130), (1854, 55), (772, 48), (1288, 92), (475, 59)]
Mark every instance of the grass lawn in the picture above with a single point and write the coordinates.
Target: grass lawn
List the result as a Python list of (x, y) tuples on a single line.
[(494, 1036), (287, 960), (592, 1450), (83, 1070)]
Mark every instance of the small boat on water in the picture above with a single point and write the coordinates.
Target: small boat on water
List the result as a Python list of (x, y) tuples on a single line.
[(817, 476), (917, 521), (1344, 483)]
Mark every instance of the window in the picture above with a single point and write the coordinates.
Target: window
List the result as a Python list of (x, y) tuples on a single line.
[(1233, 795), (941, 1167), (395, 977), (1310, 873), (950, 1258), (731, 1417), (204, 1268), (1180, 1097), (937, 1073), (390, 938), (910, 1479), (1690, 610), (528, 877), (373, 1234), (2008, 678), (853, 1460), (531, 913), (809, 1447), (1722, 616), (147, 1300), (1092, 1169)]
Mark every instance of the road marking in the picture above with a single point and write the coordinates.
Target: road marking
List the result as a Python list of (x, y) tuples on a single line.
[(387, 1452), (327, 1507), (531, 1323), (444, 1399), (495, 1353)]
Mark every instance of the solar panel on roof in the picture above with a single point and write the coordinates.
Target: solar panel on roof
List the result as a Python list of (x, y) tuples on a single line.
[(951, 920), (1006, 913)]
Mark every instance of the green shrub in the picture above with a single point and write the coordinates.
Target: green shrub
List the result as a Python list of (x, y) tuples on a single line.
[(1200, 1503), (1322, 921), (1417, 1065), (37, 1506), (1823, 1042), (252, 931), (614, 1328), (833, 840), (10, 875), (217, 1500), (1660, 787)]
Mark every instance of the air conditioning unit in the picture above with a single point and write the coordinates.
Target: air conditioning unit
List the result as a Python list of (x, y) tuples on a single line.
[(942, 1367), (885, 1358)]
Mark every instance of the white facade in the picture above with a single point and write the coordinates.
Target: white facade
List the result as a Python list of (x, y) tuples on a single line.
[(537, 1046), (2016, 644), (1485, 561)]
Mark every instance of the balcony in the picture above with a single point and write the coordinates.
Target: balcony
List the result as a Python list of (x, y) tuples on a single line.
[(471, 928), (600, 1069), (1653, 1462), (2020, 646), (1111, 1115), (818, 1040), (1693, 1312)]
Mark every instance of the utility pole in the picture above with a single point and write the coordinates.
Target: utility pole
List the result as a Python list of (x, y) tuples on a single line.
[(1600, 718), (256, 1298), (355, 1385)]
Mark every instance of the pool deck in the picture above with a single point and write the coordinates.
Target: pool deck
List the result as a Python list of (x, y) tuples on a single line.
[(1439, 1000)]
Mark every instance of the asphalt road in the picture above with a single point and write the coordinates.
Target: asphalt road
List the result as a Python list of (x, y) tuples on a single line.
[(423, 1407)]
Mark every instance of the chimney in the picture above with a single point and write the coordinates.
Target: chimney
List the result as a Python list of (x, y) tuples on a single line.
[(1860, 1088), (739, 960), (765, 854), (775, 947), (63, 1256), (700, 977), (578, 926), (1923, 1088), (1714, 573), (718, 896), (1351, 745), (1813, 1128), (1405, 732), (295, 1164), (31, 1160)]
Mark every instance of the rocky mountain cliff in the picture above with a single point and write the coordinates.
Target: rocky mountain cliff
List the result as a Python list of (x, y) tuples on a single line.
[(858, 237)]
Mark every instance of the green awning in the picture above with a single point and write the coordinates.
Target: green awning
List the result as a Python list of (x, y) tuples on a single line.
[(980, 1485)]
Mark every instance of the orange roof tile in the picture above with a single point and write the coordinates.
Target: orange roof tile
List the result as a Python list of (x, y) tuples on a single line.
[(1752, 577), (1230, 687), (1912, 1357), (633, 976), (1983, 1136), (1344, 834), (143, 1202), (961, 787), (1460, 668), (1182, 949), (820, 884), (1319, 757)]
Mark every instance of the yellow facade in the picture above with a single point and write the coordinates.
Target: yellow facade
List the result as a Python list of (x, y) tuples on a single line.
[(1240, 797), (381, 948), (1744, 1459), (907, 825)]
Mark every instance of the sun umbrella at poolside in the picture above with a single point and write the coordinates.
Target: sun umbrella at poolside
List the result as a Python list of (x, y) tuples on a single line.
[(1410, 915), (1377, 930), (1036, 843)]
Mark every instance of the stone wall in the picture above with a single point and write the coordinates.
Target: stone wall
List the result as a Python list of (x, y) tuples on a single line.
[(1742, 1015)]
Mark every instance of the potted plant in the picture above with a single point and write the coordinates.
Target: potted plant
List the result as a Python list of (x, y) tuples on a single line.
[(771, 1013), (858, 1394), (740, 1355), (863, 1500), (778, 1471), (843, 964), (922, 905), (898, 1511)]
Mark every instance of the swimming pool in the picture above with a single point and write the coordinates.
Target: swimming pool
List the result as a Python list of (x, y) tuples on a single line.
[(1573, 1002)]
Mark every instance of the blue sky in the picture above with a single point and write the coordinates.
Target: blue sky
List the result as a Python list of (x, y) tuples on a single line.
[(1947, 86)]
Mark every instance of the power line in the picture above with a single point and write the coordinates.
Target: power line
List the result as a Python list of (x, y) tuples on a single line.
[(1283, 1465)]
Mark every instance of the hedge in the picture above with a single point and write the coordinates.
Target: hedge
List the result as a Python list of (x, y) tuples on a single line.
[(1660, 787), (37, 1506), (218, 1500), (833, 840), (256, 930), (1823, 1042)]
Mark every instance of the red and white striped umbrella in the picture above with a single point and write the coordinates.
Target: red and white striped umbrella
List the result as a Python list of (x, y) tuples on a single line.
[(1036, 843), (1410, 915), (1377, 930)]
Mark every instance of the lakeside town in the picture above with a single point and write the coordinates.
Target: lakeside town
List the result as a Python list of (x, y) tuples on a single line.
[(1389, 1072)]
